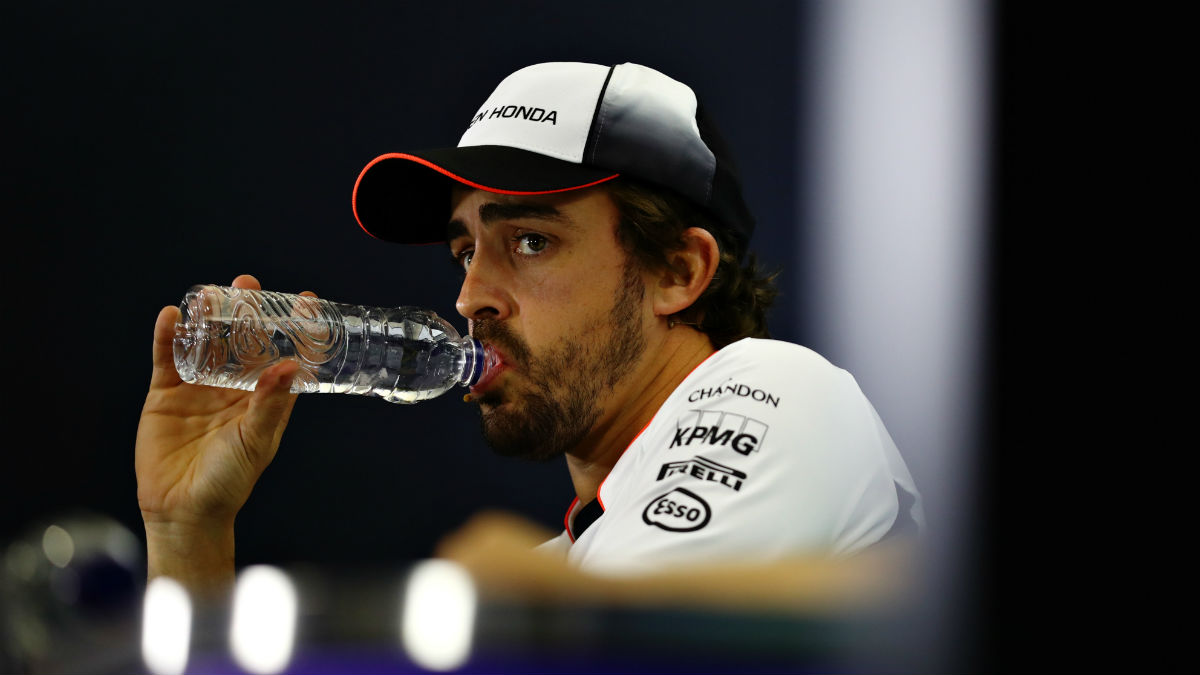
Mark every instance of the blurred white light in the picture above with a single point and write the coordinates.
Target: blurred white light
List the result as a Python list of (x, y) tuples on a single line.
[(263, 629), (166, 626), (438, 615), (58, 546)]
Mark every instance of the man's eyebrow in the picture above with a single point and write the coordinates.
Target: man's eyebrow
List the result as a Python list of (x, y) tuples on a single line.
[(494, 211)]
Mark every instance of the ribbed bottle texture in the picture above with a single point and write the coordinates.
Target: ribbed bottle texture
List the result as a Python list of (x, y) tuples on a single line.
[(227, 336)]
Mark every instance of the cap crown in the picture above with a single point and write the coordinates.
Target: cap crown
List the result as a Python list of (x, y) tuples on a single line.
[(547, 109)]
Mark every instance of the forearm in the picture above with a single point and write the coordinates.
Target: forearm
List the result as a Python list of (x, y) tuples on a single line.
[(498, 551), (877, 579), (200, 557), (870, 580)]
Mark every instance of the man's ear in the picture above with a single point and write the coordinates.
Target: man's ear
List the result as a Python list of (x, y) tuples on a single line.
[(688, 272)]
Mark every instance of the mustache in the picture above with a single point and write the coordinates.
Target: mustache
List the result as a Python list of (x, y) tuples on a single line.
[(500, 335)]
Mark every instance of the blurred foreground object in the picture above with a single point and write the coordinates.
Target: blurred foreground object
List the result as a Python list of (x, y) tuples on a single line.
[(431, 617), (70, 594), (75, 601), (501, 553), (434, 617)]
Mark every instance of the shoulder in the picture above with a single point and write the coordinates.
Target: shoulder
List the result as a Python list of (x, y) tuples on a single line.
[(764, 351), (783, 387), (773, 372), (802, 431)]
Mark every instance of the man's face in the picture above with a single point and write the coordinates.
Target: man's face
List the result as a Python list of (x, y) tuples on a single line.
[(550, 289)]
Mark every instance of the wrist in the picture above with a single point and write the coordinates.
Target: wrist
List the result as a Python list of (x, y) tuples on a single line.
[(199, 555)]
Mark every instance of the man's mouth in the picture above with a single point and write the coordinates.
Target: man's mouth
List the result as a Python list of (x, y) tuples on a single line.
[(493, 365)]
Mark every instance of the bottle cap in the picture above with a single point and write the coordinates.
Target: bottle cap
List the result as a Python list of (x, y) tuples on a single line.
[(476, 356)]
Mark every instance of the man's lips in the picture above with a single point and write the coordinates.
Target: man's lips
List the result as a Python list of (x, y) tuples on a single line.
[(493, 364)]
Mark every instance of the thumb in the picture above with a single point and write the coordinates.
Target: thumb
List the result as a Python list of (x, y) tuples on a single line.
[(269, 408)]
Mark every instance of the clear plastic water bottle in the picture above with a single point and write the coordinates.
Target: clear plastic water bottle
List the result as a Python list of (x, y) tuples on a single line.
[(226, 337)]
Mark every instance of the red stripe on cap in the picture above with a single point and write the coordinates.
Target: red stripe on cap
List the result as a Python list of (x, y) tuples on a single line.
[(454, 176), (358, 181)]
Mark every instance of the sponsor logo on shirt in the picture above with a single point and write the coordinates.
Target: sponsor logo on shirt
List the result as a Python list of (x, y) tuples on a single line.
[(704, 469), (730, 388), (716, 428), (679, 510)]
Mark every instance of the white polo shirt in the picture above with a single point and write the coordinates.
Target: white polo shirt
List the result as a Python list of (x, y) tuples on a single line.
[(766, 450)]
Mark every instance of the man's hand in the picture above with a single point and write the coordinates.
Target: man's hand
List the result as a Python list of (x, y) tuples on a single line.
[(498, 550), (199, 452)]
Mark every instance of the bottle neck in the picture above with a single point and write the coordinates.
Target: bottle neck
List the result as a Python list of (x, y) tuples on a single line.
[(474, 358)]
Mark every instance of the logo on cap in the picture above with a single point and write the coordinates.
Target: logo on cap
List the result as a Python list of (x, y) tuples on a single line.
[(510, 111)]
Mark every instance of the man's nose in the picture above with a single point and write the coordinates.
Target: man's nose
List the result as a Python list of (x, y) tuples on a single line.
[(484, 294)]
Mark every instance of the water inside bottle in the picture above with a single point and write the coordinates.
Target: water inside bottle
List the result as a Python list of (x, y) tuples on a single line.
[(226, 338)]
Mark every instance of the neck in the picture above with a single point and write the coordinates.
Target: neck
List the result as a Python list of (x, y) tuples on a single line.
[(633, 404)]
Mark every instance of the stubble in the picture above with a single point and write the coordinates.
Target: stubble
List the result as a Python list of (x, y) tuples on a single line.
[(558, 401)]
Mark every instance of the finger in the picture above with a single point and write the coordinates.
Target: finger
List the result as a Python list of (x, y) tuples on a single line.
[(269, 408), (308, 294), (246, 281), (163, 354), (281, 425)]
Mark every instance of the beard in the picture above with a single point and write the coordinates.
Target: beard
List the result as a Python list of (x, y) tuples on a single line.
[(557, 402)]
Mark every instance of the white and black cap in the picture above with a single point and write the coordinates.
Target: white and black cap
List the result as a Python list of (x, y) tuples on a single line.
[(554, 127)]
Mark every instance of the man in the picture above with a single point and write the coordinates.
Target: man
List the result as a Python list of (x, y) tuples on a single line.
[(602, 235)]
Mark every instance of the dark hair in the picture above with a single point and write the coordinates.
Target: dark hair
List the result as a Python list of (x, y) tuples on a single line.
[(653, 219)]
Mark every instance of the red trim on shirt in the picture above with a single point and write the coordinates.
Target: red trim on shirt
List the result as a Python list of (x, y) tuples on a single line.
[(567, 519)]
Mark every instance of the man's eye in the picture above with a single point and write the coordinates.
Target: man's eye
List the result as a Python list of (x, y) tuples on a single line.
[(531, 244), (463, 259)]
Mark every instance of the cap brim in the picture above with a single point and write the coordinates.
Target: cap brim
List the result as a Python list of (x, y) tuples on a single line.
[(405, 197)]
